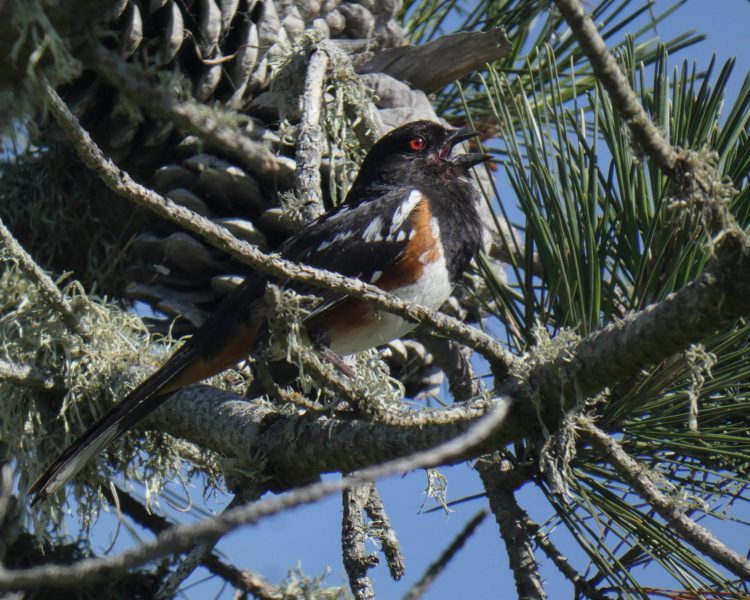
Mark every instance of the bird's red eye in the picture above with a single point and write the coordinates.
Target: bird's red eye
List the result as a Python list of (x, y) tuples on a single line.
[(417, 144)]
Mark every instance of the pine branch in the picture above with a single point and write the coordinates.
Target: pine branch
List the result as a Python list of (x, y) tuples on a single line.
[(310, 138), (182, 537), (297, 448), (240, 579), (196, 556), (382, 529), (500, 480), (30, 377), (49, 291), (612, 354), (436, 568), (580, 584), (640, 479), (356, 561), (609, 74)]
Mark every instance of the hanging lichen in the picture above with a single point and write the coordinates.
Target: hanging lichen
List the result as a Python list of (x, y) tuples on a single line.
[(90, 373)]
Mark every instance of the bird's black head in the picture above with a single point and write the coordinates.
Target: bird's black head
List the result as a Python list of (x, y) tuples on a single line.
[(412, 151)]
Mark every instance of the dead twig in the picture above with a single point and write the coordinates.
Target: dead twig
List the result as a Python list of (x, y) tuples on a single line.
[(310, 138), (434, 570)]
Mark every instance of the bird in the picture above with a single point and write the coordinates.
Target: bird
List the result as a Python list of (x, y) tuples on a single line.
[(409, 225)]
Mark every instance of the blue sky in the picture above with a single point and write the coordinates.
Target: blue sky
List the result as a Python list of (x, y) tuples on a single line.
[(310, 536)]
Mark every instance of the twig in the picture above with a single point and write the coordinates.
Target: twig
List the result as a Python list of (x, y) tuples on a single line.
[(356, 561), (376, 411), (121, 183), (29, 377), (434, 570), (498, 478), (581, 585), (607, 71), (242, 580), (198, 553), (640, 479), (310, 138), (188, 115), (381, 528), (455, 361), (47, 288), (185, 567), (182, 537)]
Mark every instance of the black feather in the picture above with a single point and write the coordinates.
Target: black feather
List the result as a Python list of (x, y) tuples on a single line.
[(119, 419)]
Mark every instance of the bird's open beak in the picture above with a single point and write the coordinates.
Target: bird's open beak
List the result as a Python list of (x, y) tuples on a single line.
[(466, 160)]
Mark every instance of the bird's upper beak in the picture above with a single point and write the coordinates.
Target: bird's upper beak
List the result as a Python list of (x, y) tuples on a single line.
[(466, 160)]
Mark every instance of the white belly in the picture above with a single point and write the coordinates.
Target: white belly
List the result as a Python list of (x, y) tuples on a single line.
[(432, 290)]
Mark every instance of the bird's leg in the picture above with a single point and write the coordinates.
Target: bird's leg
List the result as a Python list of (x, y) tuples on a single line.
[(335, 360)]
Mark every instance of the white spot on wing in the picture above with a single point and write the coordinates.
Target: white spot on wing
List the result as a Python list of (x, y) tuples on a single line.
[(375, 276), (401, 236), (372, 232), (405, 208), (344, 235), (339, 237)]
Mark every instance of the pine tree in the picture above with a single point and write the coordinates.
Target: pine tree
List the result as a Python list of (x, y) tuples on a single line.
[(596, 351)]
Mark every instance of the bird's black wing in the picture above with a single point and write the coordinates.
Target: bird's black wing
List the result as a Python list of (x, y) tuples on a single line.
[(360, 241)]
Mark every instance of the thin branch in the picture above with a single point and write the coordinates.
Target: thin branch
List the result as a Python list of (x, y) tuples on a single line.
[(376, 411), (380, 527), (580, 584), (49, 291), (622, 349), (182, 537), (499, 480), (198, 553), (29, 377), (455, 361), (436, 568), (310, 138), (240, 579), (356, 561), (608, 72), (639, 477), (185, 567), (121, 183), (188, 115)]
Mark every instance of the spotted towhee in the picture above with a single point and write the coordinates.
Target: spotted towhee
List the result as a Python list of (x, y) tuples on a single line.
[(409, 225)]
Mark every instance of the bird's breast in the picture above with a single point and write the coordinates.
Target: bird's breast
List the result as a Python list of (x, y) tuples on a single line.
[(420, 276)]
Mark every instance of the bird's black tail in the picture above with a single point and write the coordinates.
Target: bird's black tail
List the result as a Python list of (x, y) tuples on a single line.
[(144, 399), (225, 339)]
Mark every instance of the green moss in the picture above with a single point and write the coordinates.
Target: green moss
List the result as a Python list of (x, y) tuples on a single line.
[(97, 370), (67, 219), (348, 117)]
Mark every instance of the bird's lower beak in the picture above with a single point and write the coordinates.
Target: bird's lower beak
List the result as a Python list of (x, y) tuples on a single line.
[(470, 159)]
